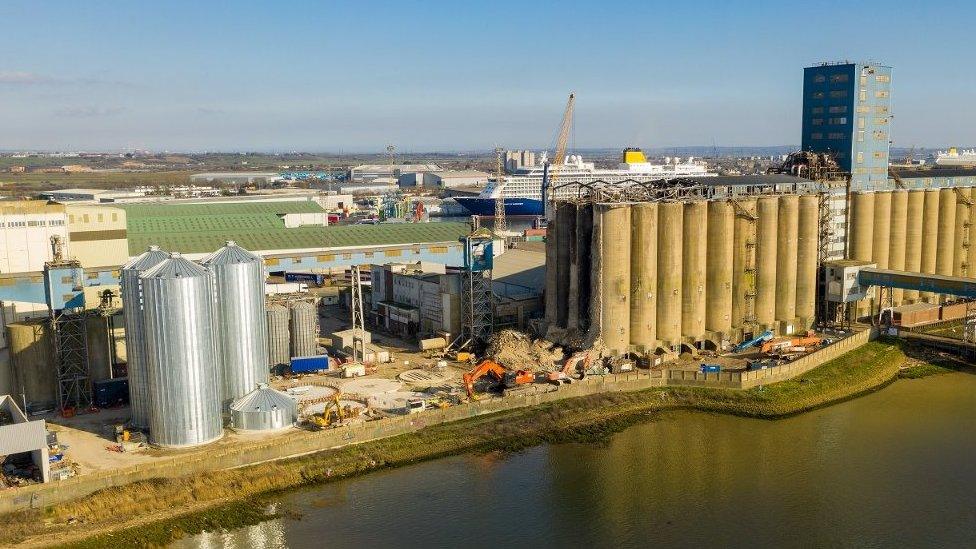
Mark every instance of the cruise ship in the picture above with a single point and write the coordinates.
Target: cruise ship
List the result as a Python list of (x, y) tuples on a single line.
[(955, 157), (522, 190)]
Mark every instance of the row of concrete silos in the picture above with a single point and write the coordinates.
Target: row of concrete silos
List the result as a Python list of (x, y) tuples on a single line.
[(197, 339), (918, 230), (657, 275)]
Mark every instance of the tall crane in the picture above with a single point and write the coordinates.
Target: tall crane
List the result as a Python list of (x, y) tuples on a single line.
[(500, 224), (549, 175)]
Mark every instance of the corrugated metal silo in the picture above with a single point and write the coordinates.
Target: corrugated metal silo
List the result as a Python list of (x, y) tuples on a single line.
[(263, 409), (303, 321), (135, 332), (239, 314), (279, 340), (184, 383)]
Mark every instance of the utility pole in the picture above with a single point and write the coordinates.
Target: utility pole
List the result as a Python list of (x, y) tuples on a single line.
[(391, 150), (500, 224)]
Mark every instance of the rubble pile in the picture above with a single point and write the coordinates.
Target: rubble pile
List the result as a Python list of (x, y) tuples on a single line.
[(517, 351)]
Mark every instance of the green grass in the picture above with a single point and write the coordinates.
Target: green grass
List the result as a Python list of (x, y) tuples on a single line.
[(584, 419)]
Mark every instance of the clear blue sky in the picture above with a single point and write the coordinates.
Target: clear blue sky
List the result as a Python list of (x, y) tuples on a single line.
[(324, 76)]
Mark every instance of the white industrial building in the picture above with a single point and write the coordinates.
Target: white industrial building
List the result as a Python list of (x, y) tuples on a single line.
[(444, 179), (369, 172), (91, 195), (332, 202), (305, 219), (25, 239)]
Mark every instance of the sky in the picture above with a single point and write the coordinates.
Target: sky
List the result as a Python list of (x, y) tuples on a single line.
[(353, 76)]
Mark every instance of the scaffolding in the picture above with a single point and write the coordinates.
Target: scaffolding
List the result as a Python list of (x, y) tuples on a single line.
[(477, 296), (478, 314), (69, 328)]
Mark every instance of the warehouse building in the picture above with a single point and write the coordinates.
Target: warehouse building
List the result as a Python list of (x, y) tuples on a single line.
[(368, 172), (444, 179)]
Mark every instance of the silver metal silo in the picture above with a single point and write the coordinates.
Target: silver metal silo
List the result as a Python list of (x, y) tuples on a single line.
[(184, 384), (135, 332), (239, 317), (263, 409), (303, 329), (279, 351)]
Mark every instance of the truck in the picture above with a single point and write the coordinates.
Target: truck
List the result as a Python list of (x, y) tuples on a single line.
[(710, 368)]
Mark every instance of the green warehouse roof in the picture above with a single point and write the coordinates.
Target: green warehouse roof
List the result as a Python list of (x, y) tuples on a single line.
[(202, 228)]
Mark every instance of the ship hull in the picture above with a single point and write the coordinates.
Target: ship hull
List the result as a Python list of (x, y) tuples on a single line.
[(513, 206)]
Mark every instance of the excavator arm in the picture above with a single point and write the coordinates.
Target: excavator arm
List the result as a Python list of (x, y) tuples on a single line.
[(483, 368)]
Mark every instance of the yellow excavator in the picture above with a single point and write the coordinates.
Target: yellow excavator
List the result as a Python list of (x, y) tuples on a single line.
[(332, 415)]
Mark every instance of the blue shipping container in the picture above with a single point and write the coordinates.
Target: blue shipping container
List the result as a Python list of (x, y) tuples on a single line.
[(710, 368), (303, 364)]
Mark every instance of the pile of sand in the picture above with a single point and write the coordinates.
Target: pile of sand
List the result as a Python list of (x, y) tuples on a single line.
[(517, 351)]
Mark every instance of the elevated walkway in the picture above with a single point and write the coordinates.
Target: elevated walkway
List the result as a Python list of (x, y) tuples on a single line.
[(940, 284)]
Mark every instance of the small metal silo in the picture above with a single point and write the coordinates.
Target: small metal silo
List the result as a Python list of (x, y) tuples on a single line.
[(263, 409), (184, 383), (279, 351), (239, 316), (135, 332), (303, 329)]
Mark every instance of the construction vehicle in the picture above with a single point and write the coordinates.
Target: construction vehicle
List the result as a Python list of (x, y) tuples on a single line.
[(507, 378), (333, 414), (756, 341), (577, 363), (781, 344)]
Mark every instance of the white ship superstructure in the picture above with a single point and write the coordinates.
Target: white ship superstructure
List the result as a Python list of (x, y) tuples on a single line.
[(955, 157), (522, 190)]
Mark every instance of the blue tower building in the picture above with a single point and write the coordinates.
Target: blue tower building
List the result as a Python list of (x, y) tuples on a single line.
[(847, 112)]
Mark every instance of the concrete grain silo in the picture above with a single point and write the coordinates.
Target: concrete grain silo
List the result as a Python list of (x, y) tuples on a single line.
[(643, 276), (32, 359), (718, 272), (960, 232), (552, 239), (861, 236), (946, 250), (669, 263), (881, 233), (565, 225), (861, 229), (613, 221), (807, 248), (766, 232), (693, 253), (897, 235), (971, 251), (930, 237), (915, 219), (135, 332), (583, 265), (743, 263), (786, 261)]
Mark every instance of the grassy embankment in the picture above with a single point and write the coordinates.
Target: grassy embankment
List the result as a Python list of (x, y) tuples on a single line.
[(159, 511)]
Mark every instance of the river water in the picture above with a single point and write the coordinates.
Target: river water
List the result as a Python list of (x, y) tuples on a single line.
[(896, 468)]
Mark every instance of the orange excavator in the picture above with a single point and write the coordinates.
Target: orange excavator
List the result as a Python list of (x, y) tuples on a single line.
[(497, 371), (578, 362)]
